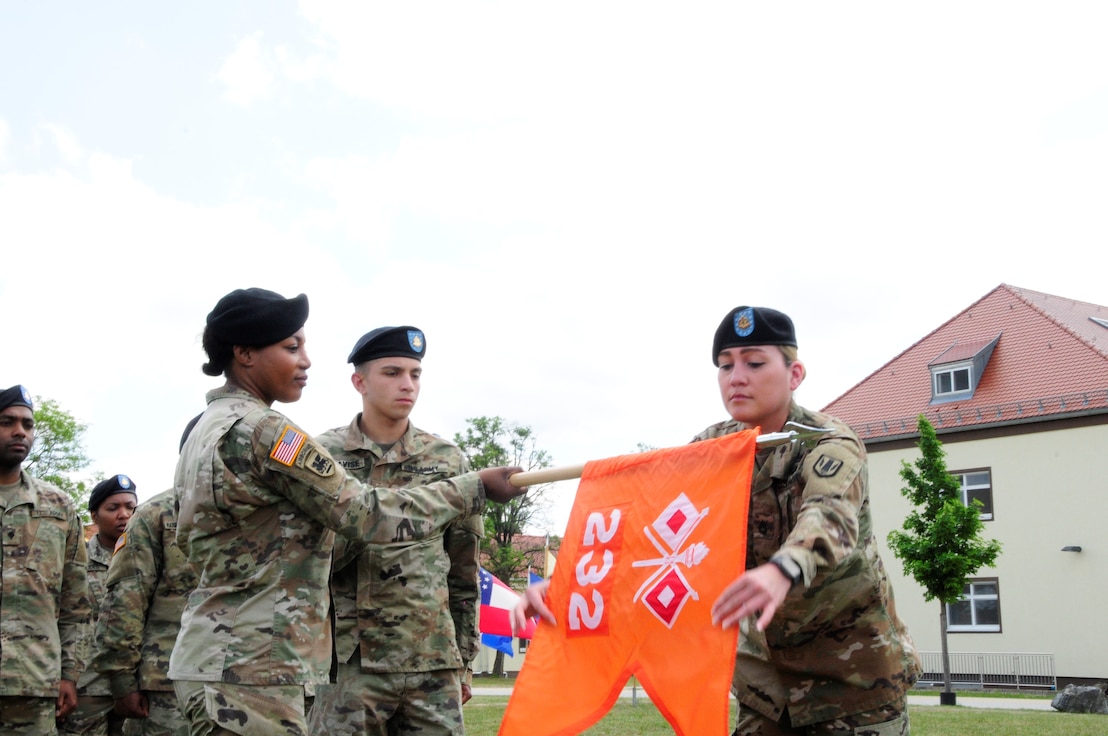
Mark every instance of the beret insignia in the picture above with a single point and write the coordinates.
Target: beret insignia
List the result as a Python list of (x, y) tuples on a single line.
[(744, 322)]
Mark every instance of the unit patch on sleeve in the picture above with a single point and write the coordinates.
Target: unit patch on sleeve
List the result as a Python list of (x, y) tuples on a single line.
[(288, 446), (826, 467), (319, 463)]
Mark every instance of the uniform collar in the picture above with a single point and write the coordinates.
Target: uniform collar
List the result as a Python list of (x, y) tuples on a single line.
[(356, 439)]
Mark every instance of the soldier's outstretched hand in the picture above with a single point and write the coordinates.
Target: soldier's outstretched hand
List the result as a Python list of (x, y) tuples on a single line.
[(497, 487)]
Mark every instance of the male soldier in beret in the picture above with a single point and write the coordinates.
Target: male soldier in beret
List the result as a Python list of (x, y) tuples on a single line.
[(406, 612), (45, 607)]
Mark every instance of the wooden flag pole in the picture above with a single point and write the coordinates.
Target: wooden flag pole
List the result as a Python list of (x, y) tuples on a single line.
[(546, 475), (792, 432)]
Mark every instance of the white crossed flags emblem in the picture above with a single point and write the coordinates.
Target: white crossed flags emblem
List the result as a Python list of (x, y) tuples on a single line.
[(666, 591)]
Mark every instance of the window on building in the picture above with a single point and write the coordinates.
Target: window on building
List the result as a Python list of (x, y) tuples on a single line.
[(957, 370), (950, 381), (523, 644), (979, 609), (977, 485)]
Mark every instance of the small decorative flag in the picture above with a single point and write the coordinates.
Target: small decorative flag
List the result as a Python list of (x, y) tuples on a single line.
[(497, 602)]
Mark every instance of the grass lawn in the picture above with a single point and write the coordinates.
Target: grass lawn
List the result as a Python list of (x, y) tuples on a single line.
[(483, 714)]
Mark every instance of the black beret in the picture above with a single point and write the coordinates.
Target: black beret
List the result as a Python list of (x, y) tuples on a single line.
[(16, 396), (108, 487), (386, 342), (745, 326), (257, 317)]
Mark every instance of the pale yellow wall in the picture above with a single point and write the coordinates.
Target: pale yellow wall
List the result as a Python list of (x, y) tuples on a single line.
[(1050, 490)]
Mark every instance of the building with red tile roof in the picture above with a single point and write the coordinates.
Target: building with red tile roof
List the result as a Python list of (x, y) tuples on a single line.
[(1016, 385), (1050, 362)]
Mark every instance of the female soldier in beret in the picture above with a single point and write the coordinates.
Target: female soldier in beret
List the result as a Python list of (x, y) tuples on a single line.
[(821, 649), (111, 504), (260, 503)]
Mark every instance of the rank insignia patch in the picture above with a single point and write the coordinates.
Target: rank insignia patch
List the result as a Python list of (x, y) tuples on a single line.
[(287, 448), (826, 467)]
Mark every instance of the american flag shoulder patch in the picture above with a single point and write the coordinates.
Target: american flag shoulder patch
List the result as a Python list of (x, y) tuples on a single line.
[(120, 543), (288, 445)]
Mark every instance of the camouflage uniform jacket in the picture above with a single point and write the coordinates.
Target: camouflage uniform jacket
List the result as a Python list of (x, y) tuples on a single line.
[(92, 682), (259, 503), (147, 585), (44, 598), (412, 604), (835, 646)]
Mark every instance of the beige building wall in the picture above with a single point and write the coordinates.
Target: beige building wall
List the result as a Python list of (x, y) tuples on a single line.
[(1050, 490)]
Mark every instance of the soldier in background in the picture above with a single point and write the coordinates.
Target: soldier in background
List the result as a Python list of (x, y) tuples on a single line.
[(406, 610), (45, 608), (110, 504), (147, 585)]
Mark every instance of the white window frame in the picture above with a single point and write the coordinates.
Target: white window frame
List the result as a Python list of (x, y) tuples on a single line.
[(963, 478), (972, 595), (950, 370)]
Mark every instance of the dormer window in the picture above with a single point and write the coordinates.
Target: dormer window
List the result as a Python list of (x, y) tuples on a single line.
[(948, 381), (956, 372)]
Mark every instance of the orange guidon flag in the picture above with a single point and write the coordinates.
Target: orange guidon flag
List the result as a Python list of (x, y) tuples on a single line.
[(651, 542)]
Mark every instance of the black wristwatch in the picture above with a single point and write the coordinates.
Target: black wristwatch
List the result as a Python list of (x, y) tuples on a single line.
[(788, 567)]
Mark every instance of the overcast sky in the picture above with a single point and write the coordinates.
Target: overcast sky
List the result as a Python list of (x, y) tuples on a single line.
[(567, 198)]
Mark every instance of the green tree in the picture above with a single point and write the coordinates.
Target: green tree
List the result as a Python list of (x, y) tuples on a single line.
[(941, 545), (490, 442), (58, 452)]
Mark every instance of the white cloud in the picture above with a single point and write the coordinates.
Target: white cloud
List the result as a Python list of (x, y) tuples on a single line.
[(567, 200), (66, 144), (248, 73), (5, 139)]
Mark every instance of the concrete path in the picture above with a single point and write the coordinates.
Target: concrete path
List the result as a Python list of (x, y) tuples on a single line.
[(968, 701), (964, 701)]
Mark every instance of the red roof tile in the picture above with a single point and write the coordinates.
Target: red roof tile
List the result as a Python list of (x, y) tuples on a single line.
[(1051, 360), (961, 351)]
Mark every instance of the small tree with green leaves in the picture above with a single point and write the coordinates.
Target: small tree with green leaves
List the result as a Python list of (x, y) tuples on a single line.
[(58, 452), (941, 545), (490, 442)]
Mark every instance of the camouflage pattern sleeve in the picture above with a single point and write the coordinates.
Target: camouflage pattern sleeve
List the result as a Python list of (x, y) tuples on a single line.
[(132, 577), (834, 490), (299, 468), (75, 602), (463, 545), (345, 552)]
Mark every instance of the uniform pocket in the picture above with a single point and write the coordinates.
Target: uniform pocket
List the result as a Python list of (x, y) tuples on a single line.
[(262, 710)]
